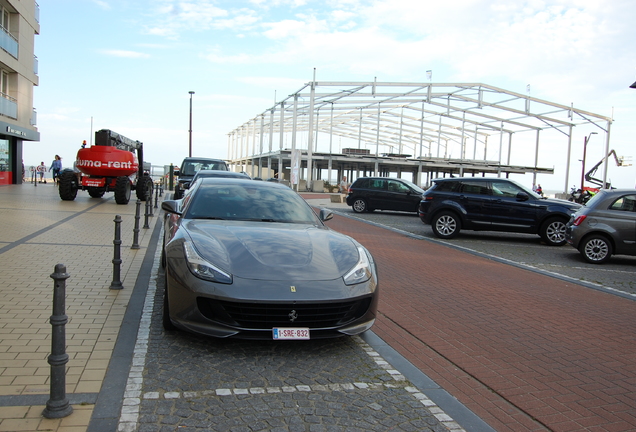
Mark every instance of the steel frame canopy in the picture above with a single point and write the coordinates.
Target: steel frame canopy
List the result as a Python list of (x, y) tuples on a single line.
[(428, 120)]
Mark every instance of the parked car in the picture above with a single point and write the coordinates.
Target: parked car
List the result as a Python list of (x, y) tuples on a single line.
[(251, 259), (190, 166), (382, 193), (606, 226), (493, 204)]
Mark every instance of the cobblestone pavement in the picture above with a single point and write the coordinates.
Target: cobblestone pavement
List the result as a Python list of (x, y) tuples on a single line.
[(188, 382)]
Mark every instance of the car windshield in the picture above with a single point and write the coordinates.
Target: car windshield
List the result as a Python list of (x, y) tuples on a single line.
[(413, 186), (190, 167), (253, 201)]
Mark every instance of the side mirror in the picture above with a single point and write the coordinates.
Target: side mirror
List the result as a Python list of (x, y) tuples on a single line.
[(325, 214), (522, 196), (170, 206)]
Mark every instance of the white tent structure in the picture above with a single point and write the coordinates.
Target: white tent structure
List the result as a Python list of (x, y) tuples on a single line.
[(381, 128)]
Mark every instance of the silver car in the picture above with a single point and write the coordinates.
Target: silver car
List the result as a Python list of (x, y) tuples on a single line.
[(251, 259), (605, 226)]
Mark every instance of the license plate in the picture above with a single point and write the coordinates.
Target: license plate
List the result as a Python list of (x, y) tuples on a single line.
[(89, 182), (290, 333)]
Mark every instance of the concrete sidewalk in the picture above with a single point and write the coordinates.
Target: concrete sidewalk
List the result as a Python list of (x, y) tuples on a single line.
[(39, 230)]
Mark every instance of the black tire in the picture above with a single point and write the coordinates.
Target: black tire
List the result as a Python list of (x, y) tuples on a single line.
[(553, 231), (68, 185), (96, 192), (446, 225), (122, 190), (144, 188), (165, 313), (178, 193), (360, 205), (596, 249)]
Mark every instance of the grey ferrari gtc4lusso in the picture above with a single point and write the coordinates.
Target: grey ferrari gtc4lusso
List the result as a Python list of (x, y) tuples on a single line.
[(253, 260)]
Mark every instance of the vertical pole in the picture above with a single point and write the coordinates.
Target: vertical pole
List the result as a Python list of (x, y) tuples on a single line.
[(156, 195), (190, 130), (58, 406), (116, 283), (146, 214), (135, 244)]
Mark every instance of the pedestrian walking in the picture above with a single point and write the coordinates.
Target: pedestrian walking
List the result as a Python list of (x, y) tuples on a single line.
[(41, 169), (56, 166)]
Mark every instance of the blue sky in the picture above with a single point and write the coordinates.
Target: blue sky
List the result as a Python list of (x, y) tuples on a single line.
[(128, 65)]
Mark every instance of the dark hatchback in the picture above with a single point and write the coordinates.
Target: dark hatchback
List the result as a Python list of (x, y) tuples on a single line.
[(605, 226), (382, 193), (493, 204)]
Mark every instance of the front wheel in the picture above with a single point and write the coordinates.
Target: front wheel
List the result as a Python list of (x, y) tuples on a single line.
[(596, 249), (178, 193), (360, 205), (446, 225), (144, 188), (553, 232), (68, 185), (122, 190)]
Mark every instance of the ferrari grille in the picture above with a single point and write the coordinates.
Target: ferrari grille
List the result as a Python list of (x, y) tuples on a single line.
[(260, 315)]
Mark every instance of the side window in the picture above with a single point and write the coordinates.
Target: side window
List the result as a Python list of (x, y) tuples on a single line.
[(473, 187), (377, 184), (446, 186), (625, 203), (395, 186), (362, 183), (506, 189)]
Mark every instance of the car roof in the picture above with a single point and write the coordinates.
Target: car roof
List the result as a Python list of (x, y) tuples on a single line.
[(191, 158), (617, 191), (220, 173), (480, 179), (382, 178), (239, 181)]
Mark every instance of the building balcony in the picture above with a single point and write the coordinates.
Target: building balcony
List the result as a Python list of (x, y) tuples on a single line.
[(8, 43), (8, 106)]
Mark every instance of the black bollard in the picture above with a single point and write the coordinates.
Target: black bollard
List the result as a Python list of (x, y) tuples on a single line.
[(146, 214), (58, 406), (156, 195), (116, 283), (150, 212), (135, 244)]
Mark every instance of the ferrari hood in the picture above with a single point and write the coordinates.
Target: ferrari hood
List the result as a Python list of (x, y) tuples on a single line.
[(273, 251)]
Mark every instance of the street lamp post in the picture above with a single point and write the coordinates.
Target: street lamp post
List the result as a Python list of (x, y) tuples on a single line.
[(190, 130), (587, 138)]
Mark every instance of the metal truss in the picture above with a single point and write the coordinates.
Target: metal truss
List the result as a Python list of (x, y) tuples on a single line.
[(412, 120)]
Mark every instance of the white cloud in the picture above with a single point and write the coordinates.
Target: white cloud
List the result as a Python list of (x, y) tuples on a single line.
[(102, 4)]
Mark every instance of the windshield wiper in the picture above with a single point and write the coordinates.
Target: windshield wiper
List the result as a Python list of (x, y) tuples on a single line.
[(209, 217)]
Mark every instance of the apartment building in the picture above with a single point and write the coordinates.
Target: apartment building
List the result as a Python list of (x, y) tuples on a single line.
[(19, 23)]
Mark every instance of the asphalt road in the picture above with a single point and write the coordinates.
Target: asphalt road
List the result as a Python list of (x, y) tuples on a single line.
[(518, 249)]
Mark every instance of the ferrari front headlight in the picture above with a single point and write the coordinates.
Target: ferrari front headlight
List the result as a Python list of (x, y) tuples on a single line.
[(361, 272), (203, 269)]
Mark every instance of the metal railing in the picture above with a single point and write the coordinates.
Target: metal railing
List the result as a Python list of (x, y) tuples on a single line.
[(8, 42), (8, 106)]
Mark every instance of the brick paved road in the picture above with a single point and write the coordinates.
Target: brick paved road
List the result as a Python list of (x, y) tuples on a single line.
[(524, 351)]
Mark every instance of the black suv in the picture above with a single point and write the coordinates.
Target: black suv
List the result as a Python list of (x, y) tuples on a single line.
[(493, 204), (190, 166), (383, 193)]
